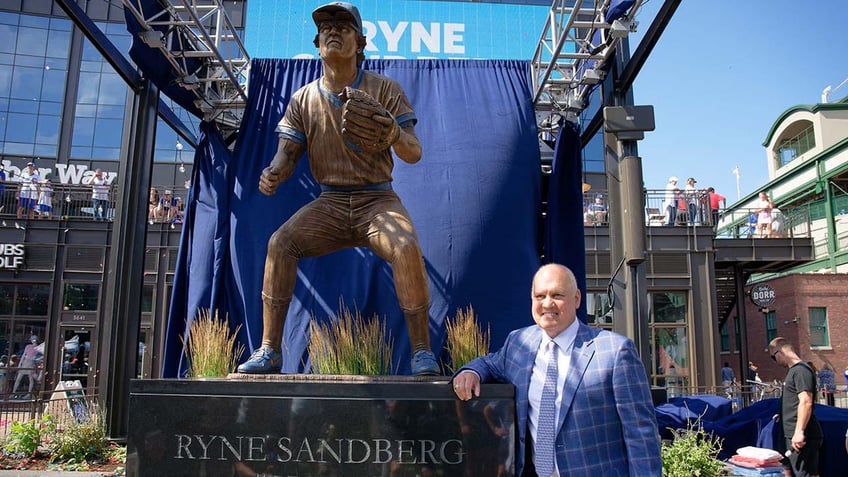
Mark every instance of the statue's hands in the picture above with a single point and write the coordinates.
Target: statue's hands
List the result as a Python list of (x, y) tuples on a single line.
[(269, 180), (366, 124)]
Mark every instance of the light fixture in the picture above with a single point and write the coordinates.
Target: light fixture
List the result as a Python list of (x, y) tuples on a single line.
[(189, 82), (622, 28), (593, 76), (574, 105), (179, 147), (551, 122), (153, 38)]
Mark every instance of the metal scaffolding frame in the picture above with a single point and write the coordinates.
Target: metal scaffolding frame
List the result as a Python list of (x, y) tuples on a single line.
[(199, 30), (574, 48), (571, 57)]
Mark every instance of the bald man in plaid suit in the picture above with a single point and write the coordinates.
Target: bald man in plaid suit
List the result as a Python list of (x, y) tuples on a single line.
[(605, 424)]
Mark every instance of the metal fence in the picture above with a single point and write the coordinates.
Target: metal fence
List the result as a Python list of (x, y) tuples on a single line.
[(68, 202), (64, 406), (742, 395), (693, 208)]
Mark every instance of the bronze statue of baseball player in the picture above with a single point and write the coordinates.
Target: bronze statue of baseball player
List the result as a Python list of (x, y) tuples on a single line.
[(348, 121)]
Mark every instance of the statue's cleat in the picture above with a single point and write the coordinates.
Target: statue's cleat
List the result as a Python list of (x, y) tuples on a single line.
[(264, 360), (424, 364)]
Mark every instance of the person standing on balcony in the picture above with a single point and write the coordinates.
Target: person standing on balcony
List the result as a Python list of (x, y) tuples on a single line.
[(598, 210), (99, 195), (691, 199), (2, 187), (169, 206), (29, 191), (717, 202), (763, 210), (670, 202), (153, 212), (45, 199)]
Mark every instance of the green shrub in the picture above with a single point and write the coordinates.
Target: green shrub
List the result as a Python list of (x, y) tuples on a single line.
[(693, 452), (25, 437), (79, 442)]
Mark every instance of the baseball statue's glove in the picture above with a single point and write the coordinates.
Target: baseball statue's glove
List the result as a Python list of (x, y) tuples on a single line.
[(365, 122)]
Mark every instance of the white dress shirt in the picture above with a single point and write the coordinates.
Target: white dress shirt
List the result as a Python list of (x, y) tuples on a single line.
[(565, 342)]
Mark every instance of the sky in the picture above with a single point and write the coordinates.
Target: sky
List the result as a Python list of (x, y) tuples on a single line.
[(722, 73)]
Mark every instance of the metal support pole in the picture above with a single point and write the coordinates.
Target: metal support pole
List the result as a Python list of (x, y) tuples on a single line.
[(627, 238), (126, 261), (743, 323)]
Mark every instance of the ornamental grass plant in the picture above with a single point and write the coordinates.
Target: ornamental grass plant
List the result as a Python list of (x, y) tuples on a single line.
[(211, 346), (350, 345), (465, 338)]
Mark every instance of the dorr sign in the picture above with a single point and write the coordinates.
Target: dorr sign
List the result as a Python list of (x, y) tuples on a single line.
[(762, 295)]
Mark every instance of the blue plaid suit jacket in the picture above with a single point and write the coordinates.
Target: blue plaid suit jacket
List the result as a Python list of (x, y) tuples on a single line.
[(607, 425)]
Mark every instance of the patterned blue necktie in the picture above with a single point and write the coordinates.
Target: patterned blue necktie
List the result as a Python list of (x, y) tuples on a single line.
[(545, 428)]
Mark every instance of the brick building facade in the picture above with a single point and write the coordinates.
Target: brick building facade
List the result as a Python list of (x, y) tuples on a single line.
[(811, 311)]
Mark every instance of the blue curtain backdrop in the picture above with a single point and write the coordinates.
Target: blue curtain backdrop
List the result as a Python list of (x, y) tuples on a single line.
[(474, 198), (564, 242)]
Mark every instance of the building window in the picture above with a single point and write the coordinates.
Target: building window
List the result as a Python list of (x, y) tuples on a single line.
[(599, 310), (147, 298), (668, 307), (7, 299), (737, 335), (670, 340), (818, 327), (101, 99), (81, 296), (593, 154), (771, 326), (33, 59), (32, 300), (790, 148), (725, 338)]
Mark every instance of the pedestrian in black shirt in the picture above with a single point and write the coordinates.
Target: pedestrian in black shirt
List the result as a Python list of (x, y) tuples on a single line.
[(801, 430)]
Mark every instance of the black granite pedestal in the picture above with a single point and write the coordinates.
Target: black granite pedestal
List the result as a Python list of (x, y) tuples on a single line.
[(312, 426)]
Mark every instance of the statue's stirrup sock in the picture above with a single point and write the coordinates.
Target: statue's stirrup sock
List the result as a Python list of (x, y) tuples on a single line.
[(271, 301)]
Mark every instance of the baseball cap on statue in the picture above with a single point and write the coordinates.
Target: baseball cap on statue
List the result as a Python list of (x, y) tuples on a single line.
[(337, 11)]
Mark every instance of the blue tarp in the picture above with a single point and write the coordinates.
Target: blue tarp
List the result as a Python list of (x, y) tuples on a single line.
[(754, 426)]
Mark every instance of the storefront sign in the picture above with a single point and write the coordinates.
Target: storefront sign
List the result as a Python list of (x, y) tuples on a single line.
[(11, 255), (762, 295), (77, 317)]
